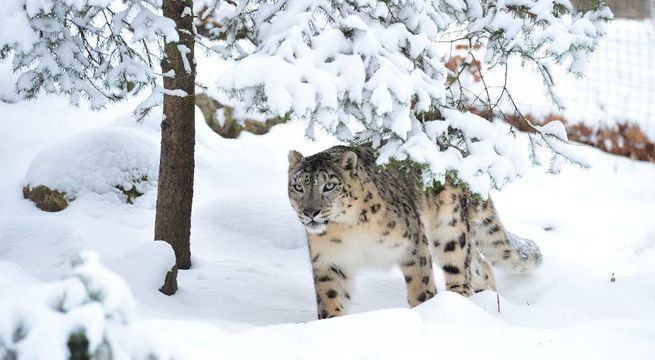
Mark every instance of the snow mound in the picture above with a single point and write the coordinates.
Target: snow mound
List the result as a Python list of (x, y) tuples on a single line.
[(385, 334), (145, 266), (246, 214), (104, 160), (39, 245), (86, 314), (449, 307)]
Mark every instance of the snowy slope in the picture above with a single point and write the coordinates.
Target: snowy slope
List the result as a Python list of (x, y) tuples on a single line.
[(249, 294)]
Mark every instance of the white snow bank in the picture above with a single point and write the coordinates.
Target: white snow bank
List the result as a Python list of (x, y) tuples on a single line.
[(98, 161), (145, 266), (41, 245), (268, 219), (448, 326)]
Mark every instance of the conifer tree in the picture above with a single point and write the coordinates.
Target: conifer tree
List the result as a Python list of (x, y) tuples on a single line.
[(373, 71)]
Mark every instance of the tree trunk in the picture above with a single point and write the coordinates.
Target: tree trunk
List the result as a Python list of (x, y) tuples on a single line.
[(176, 165)]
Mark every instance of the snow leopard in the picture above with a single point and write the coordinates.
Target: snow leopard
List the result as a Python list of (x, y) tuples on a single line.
[(359, 215)]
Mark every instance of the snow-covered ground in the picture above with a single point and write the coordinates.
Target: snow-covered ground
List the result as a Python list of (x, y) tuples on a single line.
[(249, 294)]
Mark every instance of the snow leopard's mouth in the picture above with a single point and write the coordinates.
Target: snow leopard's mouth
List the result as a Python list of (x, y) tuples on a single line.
[(315, 226)]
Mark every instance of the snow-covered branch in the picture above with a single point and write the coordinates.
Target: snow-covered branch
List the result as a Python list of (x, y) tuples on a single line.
[(379, 62), (101, 50)]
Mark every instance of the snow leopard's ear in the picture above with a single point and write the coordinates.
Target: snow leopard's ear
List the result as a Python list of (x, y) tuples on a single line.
[(294, 158), (349, 162)]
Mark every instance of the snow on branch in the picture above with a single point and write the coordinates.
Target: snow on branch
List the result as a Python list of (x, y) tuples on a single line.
[(156, 98), (462, 145), (99, 50), (378, 62), (184, 51)]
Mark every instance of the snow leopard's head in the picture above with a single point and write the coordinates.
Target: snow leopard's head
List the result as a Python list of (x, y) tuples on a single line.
[(320, 186)]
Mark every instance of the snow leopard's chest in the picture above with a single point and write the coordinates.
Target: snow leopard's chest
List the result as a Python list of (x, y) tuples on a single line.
[(356, 247)]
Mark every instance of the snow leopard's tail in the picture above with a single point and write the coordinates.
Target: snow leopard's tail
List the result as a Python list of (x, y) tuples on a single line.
[(503, 249)]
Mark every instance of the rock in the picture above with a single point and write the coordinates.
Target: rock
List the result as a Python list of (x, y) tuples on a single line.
[(45, 198)]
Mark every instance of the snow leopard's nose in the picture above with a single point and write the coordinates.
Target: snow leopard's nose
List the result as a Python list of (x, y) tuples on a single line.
[(311, 213)]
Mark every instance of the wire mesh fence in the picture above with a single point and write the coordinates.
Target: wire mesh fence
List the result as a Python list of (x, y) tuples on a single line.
[(619, 86), (613, 105)]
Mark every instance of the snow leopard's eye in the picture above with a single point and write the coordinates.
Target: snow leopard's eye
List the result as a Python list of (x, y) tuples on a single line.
[(328, 187), (297, 187)]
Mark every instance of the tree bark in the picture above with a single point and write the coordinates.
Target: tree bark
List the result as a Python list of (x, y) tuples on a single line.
[(176, 166)]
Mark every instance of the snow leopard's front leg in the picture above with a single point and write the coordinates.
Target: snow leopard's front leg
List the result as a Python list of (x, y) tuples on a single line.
[(331, 285)]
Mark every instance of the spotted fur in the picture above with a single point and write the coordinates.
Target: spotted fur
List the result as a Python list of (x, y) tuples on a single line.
[(357, 215)]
